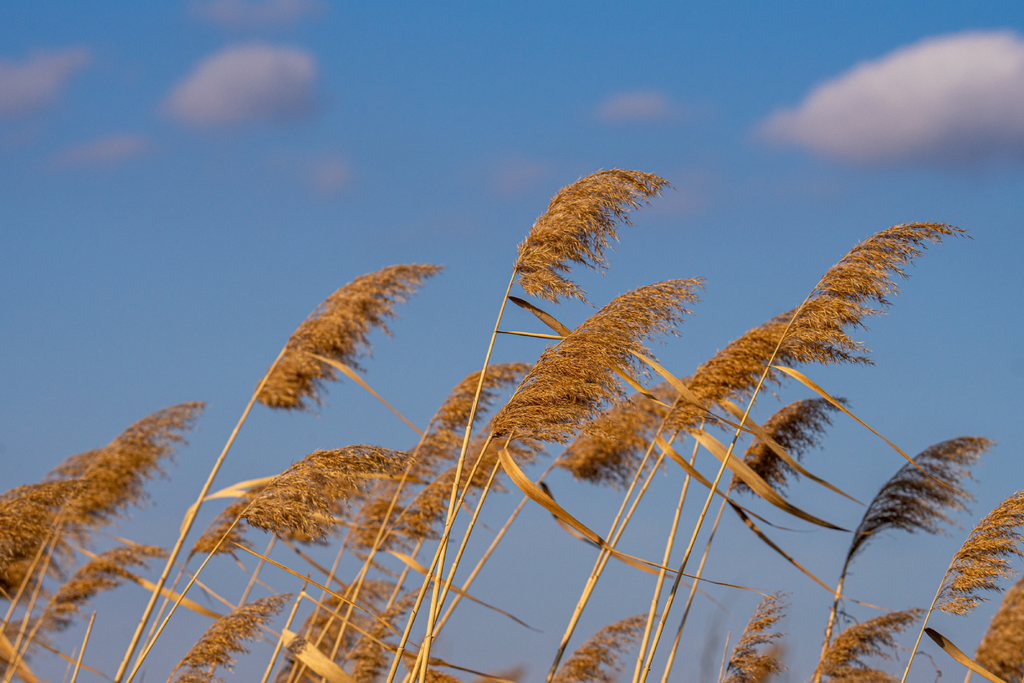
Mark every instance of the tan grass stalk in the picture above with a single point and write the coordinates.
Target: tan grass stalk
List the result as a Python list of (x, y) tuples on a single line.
[(339, 329), (18, 653), (919, 497), (256, 572), (747, 664), (875, 637), (979, 563), (225, 638), (280, 640), (1001, 650), (26, 528), (601, 655), (81, 653)]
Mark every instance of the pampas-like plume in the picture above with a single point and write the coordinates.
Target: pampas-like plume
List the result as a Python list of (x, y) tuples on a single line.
[(747, 665), (876, 637), (1001, 651), (370, 655), (113, 477), (842, 298), (106, 572), (796, 427), (26, 515), (339, 329), (577, 227), (227, 637), (572, 380), (921, 498), (982, 559), (301, 500), (224, 526), (609, 449), (601, 654)]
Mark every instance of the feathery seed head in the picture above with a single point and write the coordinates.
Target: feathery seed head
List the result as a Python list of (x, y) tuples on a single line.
[(572, 380), (1001, 651), (302, 499), (747, 665), (577, 227), (601, 655), (876, 637), (339, 329), (983, 558)]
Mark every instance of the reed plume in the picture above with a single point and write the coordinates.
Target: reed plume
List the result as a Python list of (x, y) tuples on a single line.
[(1001, 650), (370, 655), (983, 558), (26, 516), (747, 664), (227, 637), (577, 227), (796, 427), (302, 499), (610, 448), (113, 477), (107, 571), (601, 655), (227, 529), (339, 329), (572, 380), (875, 637)]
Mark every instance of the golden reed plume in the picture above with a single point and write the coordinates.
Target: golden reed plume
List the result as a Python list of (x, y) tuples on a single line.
[(574, 379), (339, 329), (577, 227), (600, 656), (875, 637), (1001, 651), (747, 664)]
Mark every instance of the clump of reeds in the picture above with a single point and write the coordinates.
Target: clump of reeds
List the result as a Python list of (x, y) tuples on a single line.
[(303, 498), (983, 559), (747, 664), (577, 227), (339, 330), (601, 655), (1001, 650), (572, 380), (104, 572), (226, 638), (875, 637), (370, 654)]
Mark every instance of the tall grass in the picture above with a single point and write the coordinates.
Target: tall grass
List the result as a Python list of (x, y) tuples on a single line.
[(594, 402)]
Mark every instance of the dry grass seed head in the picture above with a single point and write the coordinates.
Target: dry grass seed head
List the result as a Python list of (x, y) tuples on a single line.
[(797, 427), (1001, 651), (609, 449), (370, 656), (114, 477), (983, 558), (106, 572), (26, 517), (876, 637), (225, 523), (301, 501), (577, 227), (747, 664), (227, 637), (573, 380), (339, 329), (601, 655), (922, 499)]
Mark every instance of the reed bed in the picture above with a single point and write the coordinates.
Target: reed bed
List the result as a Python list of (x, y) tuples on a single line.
[(361, 554)]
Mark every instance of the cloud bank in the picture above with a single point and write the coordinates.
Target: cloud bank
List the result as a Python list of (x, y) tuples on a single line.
[(639, 106), (950, 99), (104, 152), (36, 83), (239, 14), (262, 83)]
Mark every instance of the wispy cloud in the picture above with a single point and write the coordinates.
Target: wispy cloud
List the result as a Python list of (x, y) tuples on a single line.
[(639, 106), (104, 152), (948, 99), (330, 176), (513, 177), (243, 83), (35, 83), (239, 14)]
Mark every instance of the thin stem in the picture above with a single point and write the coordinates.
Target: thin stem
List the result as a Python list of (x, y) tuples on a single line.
[(725, 651), (925, 622), (277, 648), (831, 622), (256, 572), (19, 652), (186, 526), (85, 641)]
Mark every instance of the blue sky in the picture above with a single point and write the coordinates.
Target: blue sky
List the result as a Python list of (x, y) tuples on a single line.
[(181, 183)]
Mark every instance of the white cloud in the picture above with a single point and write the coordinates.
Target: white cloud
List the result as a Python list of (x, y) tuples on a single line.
[(107, 151), (34, 84), (639, 106), (246, 83), (955, 98), (239, 14), (330, 176)]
